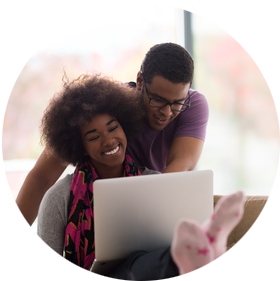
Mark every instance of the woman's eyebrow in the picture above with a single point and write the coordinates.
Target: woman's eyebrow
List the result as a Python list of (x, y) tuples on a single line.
[(111, 121), (89, 132)]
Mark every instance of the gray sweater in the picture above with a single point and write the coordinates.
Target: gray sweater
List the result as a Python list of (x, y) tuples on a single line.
[(52, 216)]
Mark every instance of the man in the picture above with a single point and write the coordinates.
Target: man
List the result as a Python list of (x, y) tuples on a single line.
[(174, 133)]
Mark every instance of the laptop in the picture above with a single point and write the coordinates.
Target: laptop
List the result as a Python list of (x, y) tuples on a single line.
[(140, 213)]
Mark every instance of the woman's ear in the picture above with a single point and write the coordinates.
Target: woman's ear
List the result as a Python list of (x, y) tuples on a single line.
[(139, 81)]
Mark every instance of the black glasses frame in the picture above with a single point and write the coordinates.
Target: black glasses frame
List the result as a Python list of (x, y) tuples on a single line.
[(187, 102)]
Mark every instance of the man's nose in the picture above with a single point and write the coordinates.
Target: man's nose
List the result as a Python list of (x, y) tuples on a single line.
[(166, 111)]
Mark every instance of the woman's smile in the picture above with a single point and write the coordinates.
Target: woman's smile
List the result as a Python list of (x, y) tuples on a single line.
[(113, 151)]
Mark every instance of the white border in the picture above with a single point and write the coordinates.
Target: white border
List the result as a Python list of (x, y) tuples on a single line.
[(254, 24)]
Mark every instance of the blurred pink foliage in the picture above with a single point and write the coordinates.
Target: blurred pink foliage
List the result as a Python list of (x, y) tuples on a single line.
[(39, 80)]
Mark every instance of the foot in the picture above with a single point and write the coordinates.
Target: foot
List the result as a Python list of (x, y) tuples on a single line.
[(190, 247), (227, 214)]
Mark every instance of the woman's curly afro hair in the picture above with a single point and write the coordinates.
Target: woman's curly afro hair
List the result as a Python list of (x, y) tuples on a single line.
[(75, 106)]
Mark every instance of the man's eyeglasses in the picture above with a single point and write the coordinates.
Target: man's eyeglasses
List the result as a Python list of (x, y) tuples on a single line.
[(161, 103)]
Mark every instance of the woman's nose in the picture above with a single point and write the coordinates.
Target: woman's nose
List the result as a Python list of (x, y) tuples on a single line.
[(107, 141)]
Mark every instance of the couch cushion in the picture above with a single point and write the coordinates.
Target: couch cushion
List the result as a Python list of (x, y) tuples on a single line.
[(252, 208)]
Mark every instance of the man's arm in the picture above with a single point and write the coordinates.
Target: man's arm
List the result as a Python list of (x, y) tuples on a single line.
[(44, 174), (183, 154)]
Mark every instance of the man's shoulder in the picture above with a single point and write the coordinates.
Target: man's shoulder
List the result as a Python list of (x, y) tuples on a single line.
[(196, 94), (198, 102)]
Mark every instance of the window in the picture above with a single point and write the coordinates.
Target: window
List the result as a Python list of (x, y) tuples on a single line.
[(242, 136), (102, 41), (242, 142)]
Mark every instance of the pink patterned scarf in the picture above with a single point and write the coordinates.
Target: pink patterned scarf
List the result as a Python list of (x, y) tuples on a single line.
[(79, 233)]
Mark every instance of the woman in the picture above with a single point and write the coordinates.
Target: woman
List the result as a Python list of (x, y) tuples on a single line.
[(81, 126), (88, 124)]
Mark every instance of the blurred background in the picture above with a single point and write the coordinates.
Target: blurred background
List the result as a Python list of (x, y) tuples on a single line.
[(242, 142)]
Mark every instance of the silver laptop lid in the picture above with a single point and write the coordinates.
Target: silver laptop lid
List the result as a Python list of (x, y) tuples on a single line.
[(139, 213)]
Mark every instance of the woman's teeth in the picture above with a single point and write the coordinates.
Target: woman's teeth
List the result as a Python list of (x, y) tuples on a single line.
[(113, 151)]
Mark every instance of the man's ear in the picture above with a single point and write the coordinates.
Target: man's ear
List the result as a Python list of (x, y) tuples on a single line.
[(139, 81)]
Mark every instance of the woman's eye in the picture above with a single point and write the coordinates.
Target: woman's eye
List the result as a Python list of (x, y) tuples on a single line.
[(113, 128), (94, 138)]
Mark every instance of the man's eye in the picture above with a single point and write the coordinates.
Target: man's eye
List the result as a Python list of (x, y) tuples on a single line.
[(179, 103), (159, 100)]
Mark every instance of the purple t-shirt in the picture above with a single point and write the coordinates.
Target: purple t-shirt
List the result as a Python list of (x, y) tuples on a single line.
[(151, 148)]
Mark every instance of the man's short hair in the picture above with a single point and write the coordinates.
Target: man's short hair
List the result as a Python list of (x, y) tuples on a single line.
[(169, 60)]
